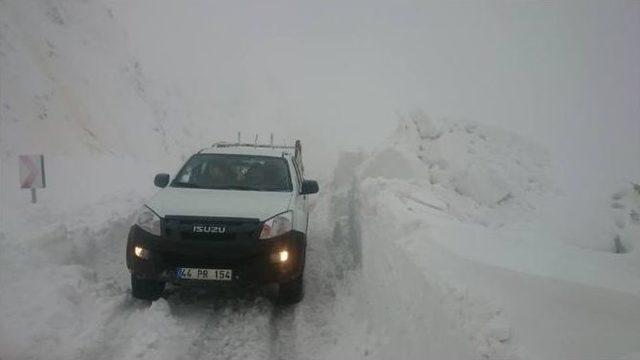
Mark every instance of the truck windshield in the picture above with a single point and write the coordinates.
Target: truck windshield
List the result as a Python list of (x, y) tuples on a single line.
[(234, 172)]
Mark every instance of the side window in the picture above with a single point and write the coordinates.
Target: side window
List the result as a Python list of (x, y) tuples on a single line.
[(188, 172), (185, 177), (191, 171)]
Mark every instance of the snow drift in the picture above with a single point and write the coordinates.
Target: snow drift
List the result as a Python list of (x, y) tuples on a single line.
[(625, 205), (467, 206), (481, 170)]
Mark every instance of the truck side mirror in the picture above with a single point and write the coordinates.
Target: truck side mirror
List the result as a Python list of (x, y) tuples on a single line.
[(161, 180), (309, 187)]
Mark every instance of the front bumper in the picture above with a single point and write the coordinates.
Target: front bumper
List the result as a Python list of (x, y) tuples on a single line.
[(252, 263)]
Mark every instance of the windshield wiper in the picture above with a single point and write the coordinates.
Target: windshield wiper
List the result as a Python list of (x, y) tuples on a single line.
[(184, 185), (224, 187), (271, 188), (236, 187)]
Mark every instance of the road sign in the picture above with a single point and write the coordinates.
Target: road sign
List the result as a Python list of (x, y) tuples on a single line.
[(32, 171)]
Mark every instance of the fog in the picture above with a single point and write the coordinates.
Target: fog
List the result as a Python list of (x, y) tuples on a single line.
[(338, 74)]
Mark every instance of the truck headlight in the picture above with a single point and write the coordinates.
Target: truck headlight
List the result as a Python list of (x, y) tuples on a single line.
[(280, 257), (141, 252), (277, 225), (148, 220)]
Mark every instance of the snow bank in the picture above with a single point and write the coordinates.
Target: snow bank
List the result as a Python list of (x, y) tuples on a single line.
[(402, 315), (54, 270), (484, 163), (468, 207), (391, 222), (625, 208), (479, 170)]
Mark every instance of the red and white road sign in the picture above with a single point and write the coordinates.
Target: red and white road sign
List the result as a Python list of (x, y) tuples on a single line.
[(31, 171)]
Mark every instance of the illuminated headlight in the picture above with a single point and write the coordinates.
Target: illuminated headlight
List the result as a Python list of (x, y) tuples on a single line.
[(280, 257), (283, 255), (148, 221), (141, 252), (277, 225)]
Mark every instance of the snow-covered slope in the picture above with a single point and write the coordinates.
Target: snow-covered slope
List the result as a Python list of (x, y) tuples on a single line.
[(71, 84), (72, 88), (469, 207)]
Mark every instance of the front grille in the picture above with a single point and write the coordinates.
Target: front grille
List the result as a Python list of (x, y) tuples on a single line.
[(207, 229)]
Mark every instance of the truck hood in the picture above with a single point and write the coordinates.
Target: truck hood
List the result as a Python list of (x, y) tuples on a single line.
[(219, 203)]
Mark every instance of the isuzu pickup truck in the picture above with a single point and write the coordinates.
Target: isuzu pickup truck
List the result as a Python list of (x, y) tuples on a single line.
[(234, 214)]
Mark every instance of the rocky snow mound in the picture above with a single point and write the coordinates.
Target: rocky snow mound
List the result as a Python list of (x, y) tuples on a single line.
[(477, 169)]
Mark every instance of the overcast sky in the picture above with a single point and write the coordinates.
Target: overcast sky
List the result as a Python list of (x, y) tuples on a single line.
[(565, 73)]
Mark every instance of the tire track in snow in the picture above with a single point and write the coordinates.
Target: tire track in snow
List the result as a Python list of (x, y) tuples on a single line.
[(229, 327), (282, 337), (306, 331), (238, 328), (105, 347)]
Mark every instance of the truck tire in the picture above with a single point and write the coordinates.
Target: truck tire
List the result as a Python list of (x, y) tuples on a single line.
[(291, 292), (146, 289)]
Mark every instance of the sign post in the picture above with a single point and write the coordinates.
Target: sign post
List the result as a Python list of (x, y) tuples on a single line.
[(32, 173)]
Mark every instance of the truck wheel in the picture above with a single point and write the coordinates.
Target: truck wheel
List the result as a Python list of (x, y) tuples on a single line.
[(291, 292), (146, 289)]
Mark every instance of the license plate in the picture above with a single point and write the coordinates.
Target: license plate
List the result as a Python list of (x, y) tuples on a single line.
[(204, 274)]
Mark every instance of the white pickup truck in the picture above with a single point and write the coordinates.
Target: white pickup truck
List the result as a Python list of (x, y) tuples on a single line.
[(234, 214)]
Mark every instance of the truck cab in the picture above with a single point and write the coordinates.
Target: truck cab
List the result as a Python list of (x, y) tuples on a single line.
[(234, 214)]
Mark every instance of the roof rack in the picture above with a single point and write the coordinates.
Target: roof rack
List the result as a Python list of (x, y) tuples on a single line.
[(225, 144), (297, 156), (239, 143)]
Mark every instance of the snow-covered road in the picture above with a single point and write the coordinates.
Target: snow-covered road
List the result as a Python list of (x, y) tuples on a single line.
[(83, 309)]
